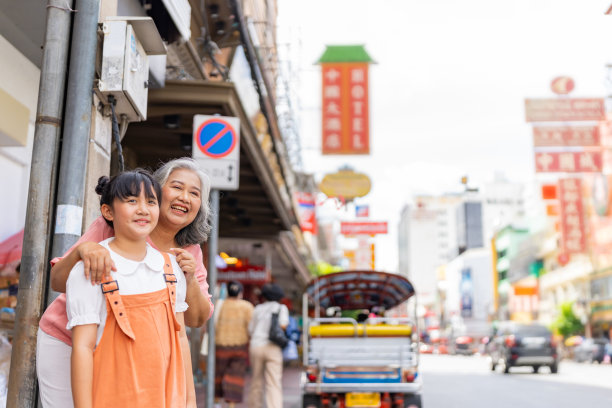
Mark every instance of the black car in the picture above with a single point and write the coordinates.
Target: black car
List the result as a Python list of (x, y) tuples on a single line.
[(514, 344)]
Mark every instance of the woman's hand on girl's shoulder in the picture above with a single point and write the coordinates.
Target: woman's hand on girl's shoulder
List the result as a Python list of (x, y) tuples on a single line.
[(186, 261), (97, 261)]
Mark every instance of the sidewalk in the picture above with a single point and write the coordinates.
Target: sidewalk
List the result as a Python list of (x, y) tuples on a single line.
[(291, 390)]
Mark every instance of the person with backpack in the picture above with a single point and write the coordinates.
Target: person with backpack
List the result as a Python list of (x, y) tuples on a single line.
[(266, 329)]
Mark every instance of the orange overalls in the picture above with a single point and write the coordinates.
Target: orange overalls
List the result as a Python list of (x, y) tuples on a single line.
[(138, 362)]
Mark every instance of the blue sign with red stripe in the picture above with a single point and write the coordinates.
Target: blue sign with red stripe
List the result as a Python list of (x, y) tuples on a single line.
[(216, 138)]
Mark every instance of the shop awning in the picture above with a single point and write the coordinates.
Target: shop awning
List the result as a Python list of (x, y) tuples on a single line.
[(10, 249)]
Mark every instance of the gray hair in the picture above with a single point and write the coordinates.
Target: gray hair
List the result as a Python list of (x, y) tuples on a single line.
[(196, 232)]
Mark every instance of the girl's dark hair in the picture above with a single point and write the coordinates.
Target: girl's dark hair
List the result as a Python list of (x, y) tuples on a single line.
[(127, 184), (234, 288)]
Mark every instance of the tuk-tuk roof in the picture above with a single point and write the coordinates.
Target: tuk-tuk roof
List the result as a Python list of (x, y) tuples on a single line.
[(352, 290)]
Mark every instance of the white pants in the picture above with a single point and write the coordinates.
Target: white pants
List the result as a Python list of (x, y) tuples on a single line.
[(53, 371), (266, 374)]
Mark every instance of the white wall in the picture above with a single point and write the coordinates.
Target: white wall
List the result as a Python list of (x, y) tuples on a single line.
[(480, 263), (18, 77)]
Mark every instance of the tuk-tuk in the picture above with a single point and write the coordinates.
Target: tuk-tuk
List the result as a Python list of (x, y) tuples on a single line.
[(364, 360)]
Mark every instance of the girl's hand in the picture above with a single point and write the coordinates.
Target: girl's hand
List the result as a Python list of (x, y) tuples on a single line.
[(186, 261), (96, 260)]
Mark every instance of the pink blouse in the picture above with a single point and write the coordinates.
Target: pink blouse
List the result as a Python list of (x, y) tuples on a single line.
[(54, 320)]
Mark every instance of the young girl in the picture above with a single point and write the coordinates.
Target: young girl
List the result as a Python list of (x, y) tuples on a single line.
[(128, 334)]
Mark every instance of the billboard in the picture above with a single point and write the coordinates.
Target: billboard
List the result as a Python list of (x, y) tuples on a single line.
[(565, 136), (346, 184), (569, 162), (307, 215), (362, 211), (564, 109), (363, 228), (573, 233), (345, 111), (345, 120)]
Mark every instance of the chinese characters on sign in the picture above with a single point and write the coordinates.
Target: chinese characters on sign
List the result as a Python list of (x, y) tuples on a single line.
[(345, 118), (562, 110), (568, 162), (572, 219), (307, 212), (561, 136), (363, 228)]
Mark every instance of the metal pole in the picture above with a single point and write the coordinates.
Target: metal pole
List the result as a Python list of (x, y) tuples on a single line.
[(22, 377), (73, 165), (213, 244)]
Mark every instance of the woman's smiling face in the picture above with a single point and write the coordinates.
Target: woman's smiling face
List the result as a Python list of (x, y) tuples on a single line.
[(181, 199)]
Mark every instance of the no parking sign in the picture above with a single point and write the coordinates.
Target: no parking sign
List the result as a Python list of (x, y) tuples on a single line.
[(216, 148)]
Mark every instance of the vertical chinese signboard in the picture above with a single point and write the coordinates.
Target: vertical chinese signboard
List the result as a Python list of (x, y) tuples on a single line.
[(345, 110), (307, 211), (573, 232)]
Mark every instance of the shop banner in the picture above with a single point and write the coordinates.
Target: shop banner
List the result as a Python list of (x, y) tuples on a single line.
[(345, 110), (573, 233), (362, 211), (564, 136), (569, 162), (564, 109), (307, 212), (363, 228), (249, 274)]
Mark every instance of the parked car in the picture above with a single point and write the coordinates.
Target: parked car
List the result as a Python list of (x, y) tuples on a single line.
[(514, 344), (591, 350), (464, 345)]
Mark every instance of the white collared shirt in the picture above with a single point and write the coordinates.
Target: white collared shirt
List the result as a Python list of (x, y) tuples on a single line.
[(259, 326), (86, 304)]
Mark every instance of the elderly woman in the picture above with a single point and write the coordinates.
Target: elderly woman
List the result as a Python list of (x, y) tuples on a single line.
[(183, 225)]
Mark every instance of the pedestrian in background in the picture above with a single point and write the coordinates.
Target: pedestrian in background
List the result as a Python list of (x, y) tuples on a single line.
[(231, 340), (266, 357)]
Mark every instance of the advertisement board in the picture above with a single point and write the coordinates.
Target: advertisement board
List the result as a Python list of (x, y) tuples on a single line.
[(569, 162), (563, 136), (564, 109), (345, 110), (573, 233), (346, 184), (307, 215), (363, 228)]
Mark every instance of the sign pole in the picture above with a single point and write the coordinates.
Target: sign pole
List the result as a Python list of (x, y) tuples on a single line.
[(213, 244)]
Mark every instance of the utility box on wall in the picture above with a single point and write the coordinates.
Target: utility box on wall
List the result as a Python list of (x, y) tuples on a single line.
[(128, 41)]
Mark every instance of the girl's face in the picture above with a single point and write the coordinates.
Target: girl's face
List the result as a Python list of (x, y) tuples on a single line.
[(133, 217), (181, 198)]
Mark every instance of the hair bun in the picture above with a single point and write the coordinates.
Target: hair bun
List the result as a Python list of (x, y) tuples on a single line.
[(102, 183)]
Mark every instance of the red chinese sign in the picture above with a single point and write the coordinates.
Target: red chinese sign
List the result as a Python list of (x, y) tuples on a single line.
[(568, 162), (247, 274), (562, 136), (307, 212), (573, 234), (345, 117), (363, 228), (566, 109)]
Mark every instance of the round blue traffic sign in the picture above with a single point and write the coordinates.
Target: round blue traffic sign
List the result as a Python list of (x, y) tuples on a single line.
[(216, 138)]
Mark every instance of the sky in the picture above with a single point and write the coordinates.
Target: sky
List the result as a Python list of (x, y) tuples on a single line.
[(447, 90)]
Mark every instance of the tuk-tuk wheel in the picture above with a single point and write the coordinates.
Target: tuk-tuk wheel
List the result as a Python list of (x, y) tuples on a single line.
[(311, 401), (412, 401)]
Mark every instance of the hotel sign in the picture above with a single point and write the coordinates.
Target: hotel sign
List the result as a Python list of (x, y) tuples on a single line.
[(564, 109)]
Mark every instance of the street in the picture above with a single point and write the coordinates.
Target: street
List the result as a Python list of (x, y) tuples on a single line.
[(458, 381), (467, 382)]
